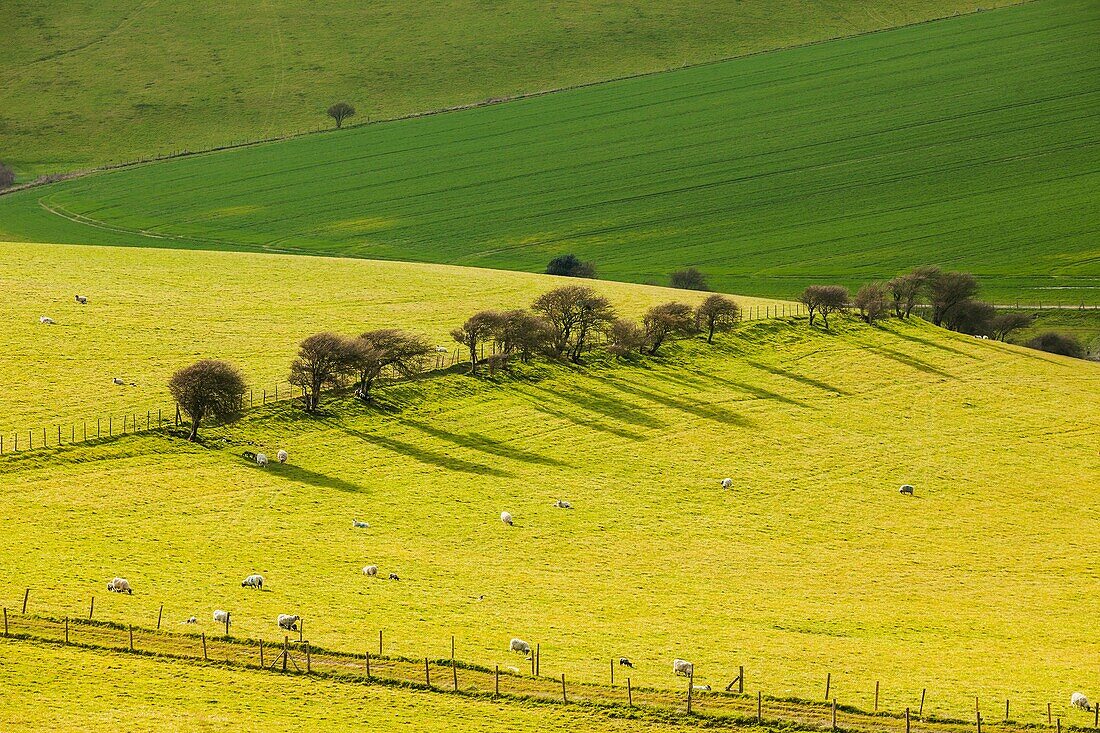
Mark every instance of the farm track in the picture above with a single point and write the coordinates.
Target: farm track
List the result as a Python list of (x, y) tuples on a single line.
[(711, 709)]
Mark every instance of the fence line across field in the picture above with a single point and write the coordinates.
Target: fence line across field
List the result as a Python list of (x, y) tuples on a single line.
[(449, 674), (137, 421)]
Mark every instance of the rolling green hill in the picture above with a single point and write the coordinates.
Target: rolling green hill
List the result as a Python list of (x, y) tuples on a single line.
[(811, 564), (969, 142), (84, 83)]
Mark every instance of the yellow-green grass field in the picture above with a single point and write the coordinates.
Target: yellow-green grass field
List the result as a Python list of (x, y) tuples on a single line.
[(50, 688), (87, 82), (983, 584), (152, 311)]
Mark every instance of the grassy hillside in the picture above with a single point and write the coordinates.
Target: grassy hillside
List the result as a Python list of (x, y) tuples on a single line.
[(153, 311), (57, 688), (968, 142), (812, 563), (85, 83)]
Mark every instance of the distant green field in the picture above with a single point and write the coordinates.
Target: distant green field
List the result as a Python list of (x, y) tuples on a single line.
[(969, 142), (1084, 324), (812, 563), (86, 82)]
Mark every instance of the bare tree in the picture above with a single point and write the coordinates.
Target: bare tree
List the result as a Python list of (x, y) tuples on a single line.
[(324, 360), (689, 278), (665, 320), (872, 302), (340, 112), (823, 300), (971, 317), (625, 337), (906, 290), (7, 176), (1004, 323), (478, 329), (520, 331), (946, 290), (207, 388), (570, 266), (388, 347), (574, 313), (716, 314)]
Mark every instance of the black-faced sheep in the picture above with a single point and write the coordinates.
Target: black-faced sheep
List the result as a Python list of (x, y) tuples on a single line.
[(727, 483), (253, 581), (120, 585), (1079, 701), (288, 622), (906, 489), (520, 646), (624, 662), (82, 299), (506, 518)]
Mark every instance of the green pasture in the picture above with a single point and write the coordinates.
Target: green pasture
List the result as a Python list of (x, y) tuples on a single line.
[(969, 142), (812, 564)]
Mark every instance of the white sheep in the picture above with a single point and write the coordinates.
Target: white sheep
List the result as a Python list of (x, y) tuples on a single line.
[(681, 667), (355, 523), (1078, 700), (506, 518), (288, 622), (701, 688), (190, 620), (906, 489), (441, 349), (261, 460), (370, 571), (253, 581), (282, 456), (45, 320), (221, 616), (563, 504), (726, 483), (118, 381), (82, 299), (521, 646), (120, 585)]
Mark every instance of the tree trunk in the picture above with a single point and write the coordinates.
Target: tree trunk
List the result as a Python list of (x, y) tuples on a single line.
[(194, 430), (710, 333)]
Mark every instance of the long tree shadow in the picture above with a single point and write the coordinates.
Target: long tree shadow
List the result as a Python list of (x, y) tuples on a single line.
[(928, 342), (698, 408), (313, 478), (704, 380), (605, 405), (912, 361), (544, 406), (809, 381), (485, 444), (432, 458)]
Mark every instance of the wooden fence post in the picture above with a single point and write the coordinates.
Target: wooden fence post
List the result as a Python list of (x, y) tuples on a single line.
[(741, 679), (368, 665), (565, 699), (876, 696), (612, 672), (691, 685), (629, 694), (1006, 709), (538, 659), (160, 614), (452, 647), (1049, 721), (1096, 716), (427, 674), (1059, 726), (454, 673), (261, 653), (309, 667), (301, 628), (91, 609), (828, 682), (759, 707), (26, 595), (380, 642), (227, 623), (920, 713), (496, 682), (834, 713), (978, 721), (906, 720), (204, 646), (5, 621), (131, 637), (533, 657)]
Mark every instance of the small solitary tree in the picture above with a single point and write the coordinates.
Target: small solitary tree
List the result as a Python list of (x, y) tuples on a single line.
[(340, 112), (475, 332), (872, 300), (7, 176), (689, 278), (665, 320), (324, 360), (573, 313), (716, 314), (1004, 324), (207, 388), (824, 300), (570, 266), (373, 351)]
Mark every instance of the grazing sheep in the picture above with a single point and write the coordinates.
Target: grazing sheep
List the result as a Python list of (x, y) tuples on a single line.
[(261, 460), (701, 688), (282, 456), (521, 646), (190, 620), (441, 349), (253, 581), (906, 489), (288, 622), (393, 576), (359, 525), (624, 662), (679, 666), (118, 381), (726, 483), (370, 571), (46, 320), (563, 504), (506, 518), (1078, 700), (82, 299), (120, 585), (221, 616)]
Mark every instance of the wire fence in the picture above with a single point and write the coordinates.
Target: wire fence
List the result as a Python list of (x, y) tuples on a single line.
[(150, 419), (291, 653)]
